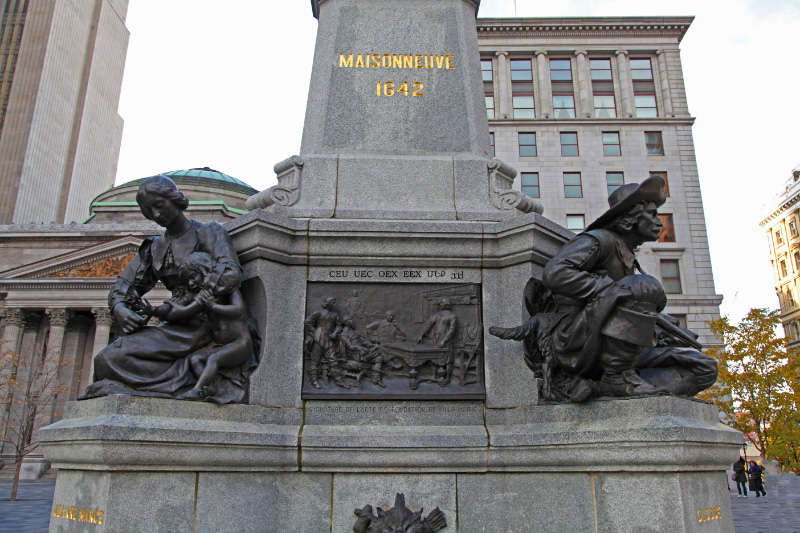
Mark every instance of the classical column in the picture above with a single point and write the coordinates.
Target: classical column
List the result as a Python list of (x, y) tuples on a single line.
[(103, 321), (12, 336), (74, 350), (543, 74), (584, 86), (54, 359), (625, 83), (663, 76), (501, 104)]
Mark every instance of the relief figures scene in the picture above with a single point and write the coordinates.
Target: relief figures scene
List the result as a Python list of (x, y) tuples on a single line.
[(393, 340)]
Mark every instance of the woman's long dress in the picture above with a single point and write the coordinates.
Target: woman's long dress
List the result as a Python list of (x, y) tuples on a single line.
[(154, 361)]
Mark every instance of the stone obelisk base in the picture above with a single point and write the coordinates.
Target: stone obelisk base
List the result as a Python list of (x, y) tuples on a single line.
[(143, 464)]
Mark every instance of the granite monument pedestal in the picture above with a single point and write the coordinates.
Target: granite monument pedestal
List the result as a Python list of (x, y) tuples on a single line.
[(395, 200)]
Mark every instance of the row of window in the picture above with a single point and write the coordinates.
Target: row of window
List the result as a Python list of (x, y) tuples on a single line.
[(569, 143), (779, 232), (573, 187), (563, 91), (577, 223), (783, 267)]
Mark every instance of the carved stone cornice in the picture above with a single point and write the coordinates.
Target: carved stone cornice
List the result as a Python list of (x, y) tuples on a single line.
[(59, 316), (102, 316), (617, 27)]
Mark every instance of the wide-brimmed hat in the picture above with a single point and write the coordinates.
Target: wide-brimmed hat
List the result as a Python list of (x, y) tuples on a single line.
[(630, 194)]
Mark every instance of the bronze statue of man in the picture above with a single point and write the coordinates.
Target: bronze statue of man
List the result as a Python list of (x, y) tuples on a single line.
[(597, 327)]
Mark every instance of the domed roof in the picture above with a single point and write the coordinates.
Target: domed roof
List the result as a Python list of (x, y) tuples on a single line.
[(207, 173), (198, 176)]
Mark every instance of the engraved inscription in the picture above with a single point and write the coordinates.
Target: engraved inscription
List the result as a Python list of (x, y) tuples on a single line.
[(385, 340), (397, 61), (79, 514), (401, 409), (708, 514)]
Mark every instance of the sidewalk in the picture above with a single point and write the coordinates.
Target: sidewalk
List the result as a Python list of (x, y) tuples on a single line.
[(779, 512)]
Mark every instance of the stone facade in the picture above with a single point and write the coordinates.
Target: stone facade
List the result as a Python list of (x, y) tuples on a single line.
[(60, 132), (603, 57), (781, 225)]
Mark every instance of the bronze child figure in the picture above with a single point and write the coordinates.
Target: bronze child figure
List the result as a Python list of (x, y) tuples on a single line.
[(227, 317), (596, 327)]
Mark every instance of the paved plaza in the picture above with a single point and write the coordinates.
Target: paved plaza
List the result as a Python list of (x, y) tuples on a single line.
[(779, 512)]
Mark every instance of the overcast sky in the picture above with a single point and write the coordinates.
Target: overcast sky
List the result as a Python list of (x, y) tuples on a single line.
[(226, 87)]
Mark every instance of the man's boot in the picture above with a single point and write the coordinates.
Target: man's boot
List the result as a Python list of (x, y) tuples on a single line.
[(377, 379), (314, 377), (627, 383)]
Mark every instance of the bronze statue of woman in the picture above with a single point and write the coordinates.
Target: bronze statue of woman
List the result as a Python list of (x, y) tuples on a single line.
[(167, 360)]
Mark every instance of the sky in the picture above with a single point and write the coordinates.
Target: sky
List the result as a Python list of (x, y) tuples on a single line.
[(227, 88)]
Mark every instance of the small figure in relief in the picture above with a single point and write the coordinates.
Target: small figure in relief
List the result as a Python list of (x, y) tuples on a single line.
[(442, 328), (228, 320), (322, 328), (386, 330), (355, 349)]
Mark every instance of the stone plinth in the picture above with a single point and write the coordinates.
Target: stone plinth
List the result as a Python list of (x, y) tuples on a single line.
[(166, 465), (395, 124)]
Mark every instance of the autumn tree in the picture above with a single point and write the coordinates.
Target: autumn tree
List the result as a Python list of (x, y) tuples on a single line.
[(758, 389), (31, 396)]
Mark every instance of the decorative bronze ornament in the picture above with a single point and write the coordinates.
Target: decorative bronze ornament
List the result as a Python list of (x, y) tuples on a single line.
[(398, 519)]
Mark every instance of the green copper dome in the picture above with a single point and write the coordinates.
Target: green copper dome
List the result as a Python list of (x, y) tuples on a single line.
[(206, 173)]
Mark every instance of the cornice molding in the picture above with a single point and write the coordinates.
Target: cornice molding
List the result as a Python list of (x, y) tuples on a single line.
[(316, 3), (785, 205), (585, 27)]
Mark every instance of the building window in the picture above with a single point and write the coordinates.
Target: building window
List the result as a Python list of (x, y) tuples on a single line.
[(793, 228), (523, 106), (796, 329), (797, 261), (670, 276), (779, 237), (667, 229), (681, 320), (522, 88), (491, 142), (572, 185), (521, 70), (486, 70), (641, 69), (527, 144), (601, 69), (611, 143), (489, 106), (666, 181), (569, 144), (654, 143), (530, 184), (645, 105), (644, 88), (784, 270), (564, 106), (789, 296), (576, 223), (604, 106), (614, 180), (560, 70)]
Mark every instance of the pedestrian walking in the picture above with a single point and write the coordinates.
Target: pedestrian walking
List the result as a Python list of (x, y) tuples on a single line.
[(755, 473), (740, 477)]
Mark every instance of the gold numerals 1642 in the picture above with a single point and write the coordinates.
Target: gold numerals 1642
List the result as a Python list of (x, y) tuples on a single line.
[(387, 88)]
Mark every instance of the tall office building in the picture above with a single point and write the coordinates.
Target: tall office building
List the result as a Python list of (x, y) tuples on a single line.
[(61, 65), (581, 106)]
